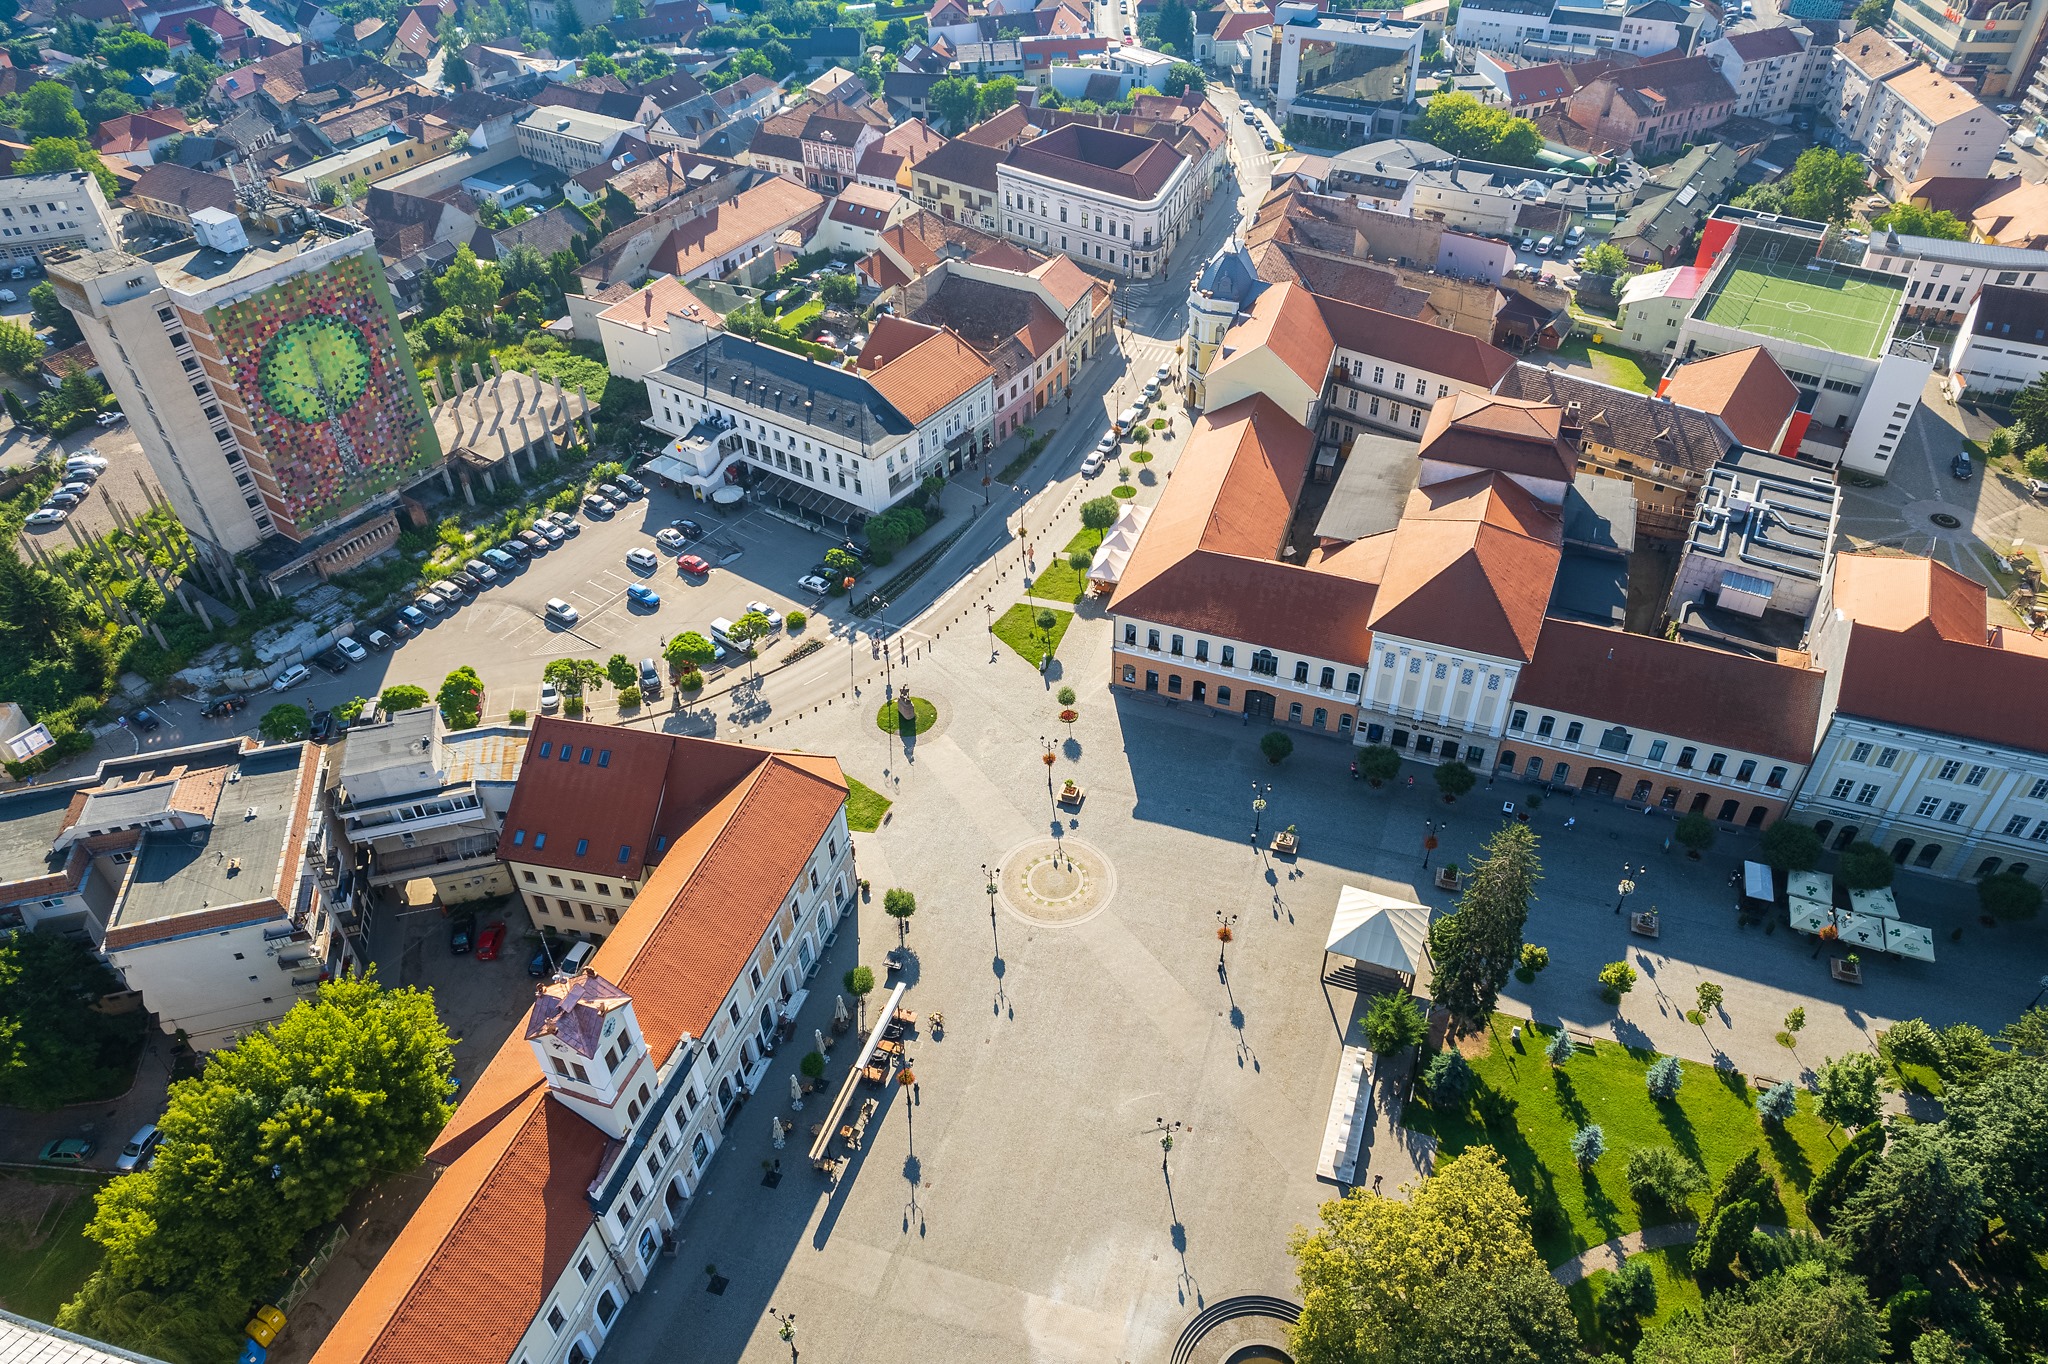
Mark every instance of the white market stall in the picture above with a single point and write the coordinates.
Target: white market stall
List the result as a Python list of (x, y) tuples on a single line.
[(1380, 930), (1909, 940), (1107, 568), (1880, 904)]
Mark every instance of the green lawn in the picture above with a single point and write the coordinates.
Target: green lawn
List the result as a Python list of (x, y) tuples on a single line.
[(1088, 541), (1528, 1112), (1018, 628), (796, 319), (1611, 364), (1059, 582), (865, 807), (889, 720), (43, 1263), (1676, 1289)]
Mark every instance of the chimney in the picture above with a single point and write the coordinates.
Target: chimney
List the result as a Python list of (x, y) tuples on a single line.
[(1571, 428)]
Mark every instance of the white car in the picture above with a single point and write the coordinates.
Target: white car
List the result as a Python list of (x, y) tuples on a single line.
[(355, 652), (550, 699), (105, 418), (774, 616), (642, 559), (814, 584), (291, 677), (560, 612), (671, 539), (1092, 465), (47, 516)]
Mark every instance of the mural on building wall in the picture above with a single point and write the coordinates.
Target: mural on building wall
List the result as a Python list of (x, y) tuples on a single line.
[(330, 387)]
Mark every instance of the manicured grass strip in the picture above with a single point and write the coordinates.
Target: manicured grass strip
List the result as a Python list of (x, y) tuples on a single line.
[(1528, 1111), (1018, 628), (42, 1267), (1059, 582), (889, 720), (1088, 541), (865, 807)]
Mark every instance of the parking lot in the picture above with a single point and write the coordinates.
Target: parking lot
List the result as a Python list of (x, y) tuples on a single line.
[(505, 634)]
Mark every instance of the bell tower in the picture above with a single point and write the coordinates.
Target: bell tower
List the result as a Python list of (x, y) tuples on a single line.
[(588, 1043)]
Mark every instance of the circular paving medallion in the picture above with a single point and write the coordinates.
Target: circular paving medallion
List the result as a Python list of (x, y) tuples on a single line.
[(1946, 521), (1056, 881)]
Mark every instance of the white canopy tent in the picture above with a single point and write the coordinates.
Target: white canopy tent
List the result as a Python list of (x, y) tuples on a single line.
[(1379, 930), (1881, 904), (1117, 543), (1863, 930), (1811, 885), (1909, 940), (1806, 916)]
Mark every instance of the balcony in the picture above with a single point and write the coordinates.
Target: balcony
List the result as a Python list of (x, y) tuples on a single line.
[(434, 860)]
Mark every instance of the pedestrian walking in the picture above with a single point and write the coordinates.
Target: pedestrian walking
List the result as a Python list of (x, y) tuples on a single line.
[(1571, 822)]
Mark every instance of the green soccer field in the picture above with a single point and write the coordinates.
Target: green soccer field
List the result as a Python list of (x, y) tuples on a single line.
[(1836, 311)]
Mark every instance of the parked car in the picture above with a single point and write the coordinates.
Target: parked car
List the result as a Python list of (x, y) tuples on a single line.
[(2036, 488), (461, 933), (84, 473), (432, 602), (379, 641), (642, 559), (82, 460), (650, 679), (561, 613), (146, 721), (535, 541), (356, 653), (489, 941), (670, 539), (1544, 244), (67, 1151), (292, 676), (600, 506), (223, 706), (640, 594), (63, 498), (633, 486), (774, 616), (612, 493), (694, 565), (501, 561), (1092, 464), (550, 699), (1528, 242), (322, 727), (687, 528), (1961, 467), (331, 663), (411, 618), (481, 571), (518, 549), (569, 524), (814, 584), (141, 1148), (48, 516), (539, 963), (549, 532)]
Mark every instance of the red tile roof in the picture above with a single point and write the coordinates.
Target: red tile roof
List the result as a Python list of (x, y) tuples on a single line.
[(1902, 593), (474, 1266), (1122, 164), (1480, 431), (936, 371), (1744, 388), (1286, 322), (605, 797), (1207, 557), (1471, 567), (1368, 331), (1684, 690)]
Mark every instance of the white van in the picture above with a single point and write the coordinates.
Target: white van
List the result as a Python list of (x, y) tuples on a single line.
[(719, 633), (577, 957)]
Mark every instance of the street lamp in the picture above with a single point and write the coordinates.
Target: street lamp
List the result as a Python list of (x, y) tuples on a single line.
[(1226, 929), (1259, 806), (1627, 886), (785, 1323), (989, 877), (1429, 827), (1049, 760), (991, 633)]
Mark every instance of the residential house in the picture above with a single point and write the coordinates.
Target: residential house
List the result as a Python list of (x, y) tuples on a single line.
[(643, 329), (569, 140), (888, 162), (917, 244), (2003, 343), (139, 139), (688, 122), (857, 217), (170, 194), (817, 146), (960, 181), (1772, 70), (1655, 106), (1909, 123), (1114, 200)]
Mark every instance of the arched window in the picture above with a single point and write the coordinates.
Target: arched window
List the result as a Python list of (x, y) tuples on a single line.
[(1322, 718), (1821, 829), (1846, 837), (1902, 850), (1989, 866), (1507, 759), (1927, 855), (1294, 713), (700, 1149), (1267, 662), (1173, 683), (1329, 678), (649, 1243), (2016, 869), (1616, 740), (1561, 773), (607, 1307)]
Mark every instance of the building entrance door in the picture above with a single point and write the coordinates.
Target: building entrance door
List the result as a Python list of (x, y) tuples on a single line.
[(1602, 781), (1258, 704)]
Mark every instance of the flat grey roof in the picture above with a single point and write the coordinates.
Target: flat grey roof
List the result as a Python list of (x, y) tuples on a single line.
[(1762, 511), (1369, 494), (184, 873), (29, 823)]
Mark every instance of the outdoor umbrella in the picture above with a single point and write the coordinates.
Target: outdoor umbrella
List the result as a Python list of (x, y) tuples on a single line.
[(796, 1093), (839, 1010)]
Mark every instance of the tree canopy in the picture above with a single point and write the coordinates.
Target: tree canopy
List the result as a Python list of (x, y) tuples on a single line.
[(472, 287), (48, 112), (1462, 126), (47, 154), (1382, 1279), (574, 676), (1823, 184), (461, 698), (284, 722), (55, 1048), (402, 696), (1475, 946), (1182, 77), (1921, 1207), (1806, 1314), (689, 647), (1917, 220)]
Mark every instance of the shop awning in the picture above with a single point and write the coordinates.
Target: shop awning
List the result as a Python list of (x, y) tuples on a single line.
[(816, 501)]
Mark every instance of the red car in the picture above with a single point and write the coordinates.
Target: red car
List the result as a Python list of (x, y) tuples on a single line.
[(693, 565), (489, 941)]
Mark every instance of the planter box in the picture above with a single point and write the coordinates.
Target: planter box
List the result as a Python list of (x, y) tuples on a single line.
[(1446, 879), (1844, 972), (1073, 798), (1286, 844), (1645, 925)]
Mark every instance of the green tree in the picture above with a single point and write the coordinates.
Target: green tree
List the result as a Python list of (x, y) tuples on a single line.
[(839, 291), (20, 351), (900, 904), (2030, 411), (1616, 978), (1475, 946), (1789, 845), (1182, 77), (1909, 219), (751, 626), (129, 50), (1454, 779), (1393, 1022), (472, 288), (1922, 1207), (2004, 896), (574, 676), (689, 647), (1870, 14), (1777, 1104), (1276, 746), (461, 698), (1807, 1313), (623, 675), (1846, 1088), (50, 154), (1560, 1049), (1448, 1080), (1100, 513), (1589, 1143), (859, 982), (1379, 763), (1726, 1232), (1605, 259), (203, 39), (1837, 1181), (284, 723), (1176, 31), (1695, 832), (524, 267), (954, 102), (48, 112), (49, 311), (1388, 1278), (995, 96), (1664, 1077), (1660, 1176), (402, 697), (1462, 126), (271, 1140), (1865, 866), (1824, 183), (55, 1048), (2001, 1123), (455, 70)]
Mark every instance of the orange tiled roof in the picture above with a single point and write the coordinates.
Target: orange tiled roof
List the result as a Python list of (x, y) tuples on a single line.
[(1471, 567), (1744, 388), (929, 375)]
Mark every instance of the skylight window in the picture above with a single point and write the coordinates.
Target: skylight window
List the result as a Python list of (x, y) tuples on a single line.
[(545, 748), (586, 757), (582, 846), (519, 838), (539, 841), (604, 757), (625, 852)]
